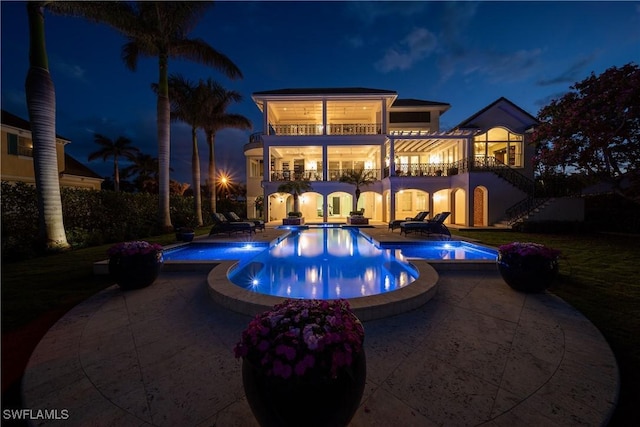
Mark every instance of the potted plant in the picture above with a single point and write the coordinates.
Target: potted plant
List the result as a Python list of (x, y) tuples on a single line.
[(528, 266), (185, 234), (303, 363), (135, 264)]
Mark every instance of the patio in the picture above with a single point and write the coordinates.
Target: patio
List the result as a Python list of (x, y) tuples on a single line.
[(478, 353)]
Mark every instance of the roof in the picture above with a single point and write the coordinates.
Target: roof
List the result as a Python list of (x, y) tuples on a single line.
[(327, 91), (468, 123), (74, 167), (12, 120), (410, 102)]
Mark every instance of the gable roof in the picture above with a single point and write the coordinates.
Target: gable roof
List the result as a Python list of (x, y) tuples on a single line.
[(327, 91), (475, 121), (12, 120), (74, 167)]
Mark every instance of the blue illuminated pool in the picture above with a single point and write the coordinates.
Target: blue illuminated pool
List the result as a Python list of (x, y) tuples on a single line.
[(215, 251), (324, 263)]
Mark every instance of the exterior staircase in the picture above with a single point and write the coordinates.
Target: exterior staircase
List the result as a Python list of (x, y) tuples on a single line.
[(525, 208)]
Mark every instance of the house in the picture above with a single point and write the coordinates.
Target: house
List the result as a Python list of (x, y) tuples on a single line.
[(481, 171), (17, 157)]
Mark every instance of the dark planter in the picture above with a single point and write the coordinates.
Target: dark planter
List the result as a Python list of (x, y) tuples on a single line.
[(135, 271), (185, 236), (276, 402), (528, 273)]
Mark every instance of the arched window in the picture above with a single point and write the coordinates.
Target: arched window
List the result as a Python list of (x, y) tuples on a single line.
[(499, 145)]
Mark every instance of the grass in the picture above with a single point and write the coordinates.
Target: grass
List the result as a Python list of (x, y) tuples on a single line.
[(598, 275)]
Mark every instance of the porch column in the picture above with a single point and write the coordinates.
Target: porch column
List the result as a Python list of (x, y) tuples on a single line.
[(325, 208), (265, 118), (324, 117), (470, 206)]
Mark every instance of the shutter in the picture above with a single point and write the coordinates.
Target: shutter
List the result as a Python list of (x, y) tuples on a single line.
[(12, 142)]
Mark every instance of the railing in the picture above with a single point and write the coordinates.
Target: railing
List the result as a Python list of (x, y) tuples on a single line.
[(427, 169), (332, 129), (25, 151), (314, 175), (521, 209), (505, 172)]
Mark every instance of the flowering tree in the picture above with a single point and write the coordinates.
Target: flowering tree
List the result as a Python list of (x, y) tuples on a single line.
[(595, 128)]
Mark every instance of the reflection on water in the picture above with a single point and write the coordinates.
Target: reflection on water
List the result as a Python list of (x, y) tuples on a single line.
[(325, 263)]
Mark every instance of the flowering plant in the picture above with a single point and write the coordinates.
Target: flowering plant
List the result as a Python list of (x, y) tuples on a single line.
[(303, 338), (137, 247), (524, 249)]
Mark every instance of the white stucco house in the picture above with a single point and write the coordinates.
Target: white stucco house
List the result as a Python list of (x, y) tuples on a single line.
[(481, 171)]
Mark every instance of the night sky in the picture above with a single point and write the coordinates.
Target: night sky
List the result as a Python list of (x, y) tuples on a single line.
[(467, 54)]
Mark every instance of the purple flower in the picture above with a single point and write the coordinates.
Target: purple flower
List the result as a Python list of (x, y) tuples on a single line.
[(523, 249), (304, 338), (137, 247)]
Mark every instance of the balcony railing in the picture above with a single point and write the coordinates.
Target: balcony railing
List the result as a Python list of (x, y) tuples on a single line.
[(332, 129), (314, 175), (25, 151)]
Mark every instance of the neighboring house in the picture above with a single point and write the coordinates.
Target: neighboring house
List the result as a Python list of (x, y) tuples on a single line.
[(17, 157), (481, 171)]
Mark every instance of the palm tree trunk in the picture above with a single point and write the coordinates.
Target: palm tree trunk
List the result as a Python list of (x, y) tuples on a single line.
[(195, 170), (211, 181), (41, 103), (116, 174), (164, 145)]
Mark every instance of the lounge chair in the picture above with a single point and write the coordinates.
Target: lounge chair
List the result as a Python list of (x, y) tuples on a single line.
[(419, 217), (433, 226), (233, 218), (222, 225)]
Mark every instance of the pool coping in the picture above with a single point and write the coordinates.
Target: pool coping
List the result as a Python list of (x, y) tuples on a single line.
[(371, 307)]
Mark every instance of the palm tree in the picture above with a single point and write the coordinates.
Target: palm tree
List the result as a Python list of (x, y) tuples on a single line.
[(359, 178), (218, 100), (121, 147), (187, 101), (295, 188), (146, 168), (160, 29), (41, 103)]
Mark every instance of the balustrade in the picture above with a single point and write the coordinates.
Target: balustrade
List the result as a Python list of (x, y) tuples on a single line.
[(332, 129)]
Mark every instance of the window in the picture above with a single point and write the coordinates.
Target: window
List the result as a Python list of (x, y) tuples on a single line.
[(499, 145), (410, 117), (19, 146)]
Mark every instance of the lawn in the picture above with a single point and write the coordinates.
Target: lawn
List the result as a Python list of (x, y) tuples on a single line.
[(598, 276)]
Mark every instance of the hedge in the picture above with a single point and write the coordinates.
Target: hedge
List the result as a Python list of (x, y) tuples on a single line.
[(90, 217)]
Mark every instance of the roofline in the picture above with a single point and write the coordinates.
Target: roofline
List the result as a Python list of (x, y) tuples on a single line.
[(502, 98)]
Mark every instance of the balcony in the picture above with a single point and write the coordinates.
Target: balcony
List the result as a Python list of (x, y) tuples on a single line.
[(315, 175), (305, 129)]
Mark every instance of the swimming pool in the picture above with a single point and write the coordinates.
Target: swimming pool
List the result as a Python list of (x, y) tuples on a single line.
[(324, 263)]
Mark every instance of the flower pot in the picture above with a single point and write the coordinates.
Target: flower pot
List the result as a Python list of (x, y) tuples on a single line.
[(185, 236), (135, 271), (530, 273), (309, 402)]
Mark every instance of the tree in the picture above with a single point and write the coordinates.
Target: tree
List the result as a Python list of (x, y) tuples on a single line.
[(295, 188), (160, 29), (359, 178), (187, 99), (121, 147), (595, 128), (146, 168), (216, 118), (41, 103)]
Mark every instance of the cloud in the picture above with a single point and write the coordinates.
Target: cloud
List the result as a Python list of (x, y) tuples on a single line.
[(571, 74), (72, 71), (417, 45)]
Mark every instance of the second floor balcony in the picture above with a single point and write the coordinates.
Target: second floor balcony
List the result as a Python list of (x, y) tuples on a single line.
[(303, 129)]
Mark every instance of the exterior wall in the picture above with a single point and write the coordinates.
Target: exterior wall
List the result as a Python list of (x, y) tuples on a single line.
[(560, 209)]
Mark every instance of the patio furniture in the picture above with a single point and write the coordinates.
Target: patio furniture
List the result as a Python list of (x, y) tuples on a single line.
[(419, 217), (234, 218), (433, 226), (222, 225)]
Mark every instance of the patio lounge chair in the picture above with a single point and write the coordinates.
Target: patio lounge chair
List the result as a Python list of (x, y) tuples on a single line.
[(433, 226), (396, 223), (233, 218), (223, 225)]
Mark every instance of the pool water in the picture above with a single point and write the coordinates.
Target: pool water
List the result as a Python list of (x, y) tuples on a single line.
[(324, 263), (215, 252), (327, 262)]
